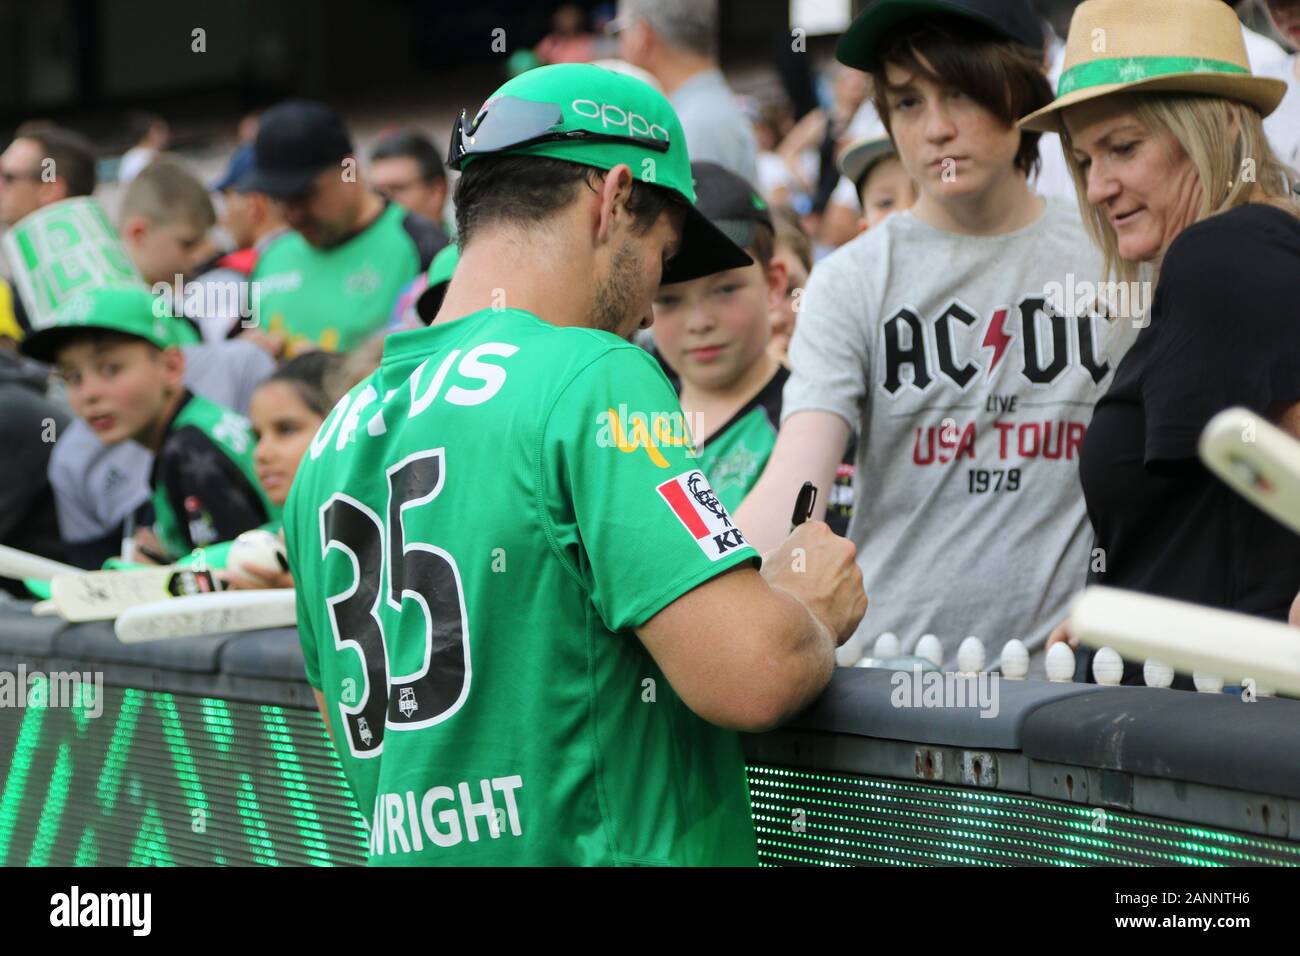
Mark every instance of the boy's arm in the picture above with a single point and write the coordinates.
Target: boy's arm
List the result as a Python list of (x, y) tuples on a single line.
[(808, 448), (198, 478)]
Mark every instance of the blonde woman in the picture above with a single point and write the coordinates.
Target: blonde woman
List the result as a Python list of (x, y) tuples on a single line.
[(1161, 121)]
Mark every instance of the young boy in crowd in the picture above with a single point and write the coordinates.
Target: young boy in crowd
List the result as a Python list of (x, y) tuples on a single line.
[(714, 332), (883, 183), (118, 353)]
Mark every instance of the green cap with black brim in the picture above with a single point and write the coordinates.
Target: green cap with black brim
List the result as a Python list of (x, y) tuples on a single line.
[(128, 309), (595, 117)]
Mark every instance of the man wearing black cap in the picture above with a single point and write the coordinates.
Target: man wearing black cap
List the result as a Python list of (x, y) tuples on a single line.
[(333, 279)]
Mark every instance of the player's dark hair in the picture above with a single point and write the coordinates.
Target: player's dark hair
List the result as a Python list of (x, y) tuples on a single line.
[(308, 375), (527, 190), (1004, 77), (72, 155), (407, 143)]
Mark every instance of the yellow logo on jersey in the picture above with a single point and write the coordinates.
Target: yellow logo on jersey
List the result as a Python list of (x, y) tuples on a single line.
[(669, 431)]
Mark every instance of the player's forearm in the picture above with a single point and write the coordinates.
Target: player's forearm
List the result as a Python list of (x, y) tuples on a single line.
[(800, 658)]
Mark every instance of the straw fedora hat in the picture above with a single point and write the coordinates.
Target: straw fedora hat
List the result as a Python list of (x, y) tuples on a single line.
[(1184, 46)]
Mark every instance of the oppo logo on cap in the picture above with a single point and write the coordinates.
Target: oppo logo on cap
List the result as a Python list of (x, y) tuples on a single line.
[(611, 115)]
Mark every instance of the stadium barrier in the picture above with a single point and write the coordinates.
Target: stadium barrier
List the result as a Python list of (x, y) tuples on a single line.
[(209, 751)]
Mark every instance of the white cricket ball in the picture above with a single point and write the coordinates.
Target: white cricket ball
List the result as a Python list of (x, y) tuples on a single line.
[(931, 649), (260, 548), (1060, 663), (970, 656), (887, 646), (1015, 660), (1157, 674), (1207, 683), (1107, 666)]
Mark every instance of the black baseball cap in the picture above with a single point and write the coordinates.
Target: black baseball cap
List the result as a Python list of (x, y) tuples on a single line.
[(296, 139), (1004, 19), (728, 201)]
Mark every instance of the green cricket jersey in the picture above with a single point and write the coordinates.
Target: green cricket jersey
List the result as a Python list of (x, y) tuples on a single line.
[(204, 487), (336, 298), (474, 541)]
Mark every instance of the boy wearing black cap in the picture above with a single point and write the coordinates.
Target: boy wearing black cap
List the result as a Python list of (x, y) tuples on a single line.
[(118, 353), (713, 332), (931, 337), (332, 280)]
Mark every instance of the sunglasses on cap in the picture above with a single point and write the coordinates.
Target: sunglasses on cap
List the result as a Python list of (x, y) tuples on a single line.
[(510, 123)]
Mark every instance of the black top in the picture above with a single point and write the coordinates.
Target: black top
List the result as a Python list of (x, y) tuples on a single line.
[(1224, 331), (210, 497)]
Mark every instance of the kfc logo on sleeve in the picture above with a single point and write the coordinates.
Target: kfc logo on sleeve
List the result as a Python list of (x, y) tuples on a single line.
[(692, 500)]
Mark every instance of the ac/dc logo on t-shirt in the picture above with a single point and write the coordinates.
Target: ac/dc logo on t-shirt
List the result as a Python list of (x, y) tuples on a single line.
[(1048, 343)]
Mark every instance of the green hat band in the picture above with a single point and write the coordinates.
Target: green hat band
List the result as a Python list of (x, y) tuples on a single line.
[(1132, 69)]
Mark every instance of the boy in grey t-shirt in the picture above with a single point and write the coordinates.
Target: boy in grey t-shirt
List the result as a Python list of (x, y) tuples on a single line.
[(931, 337)]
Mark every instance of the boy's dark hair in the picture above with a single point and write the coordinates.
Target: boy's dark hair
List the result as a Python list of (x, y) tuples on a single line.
[(790, 233), (526, 190), (762, 245), (309, 375), (71, 153), (416, 146), (1004, 77)]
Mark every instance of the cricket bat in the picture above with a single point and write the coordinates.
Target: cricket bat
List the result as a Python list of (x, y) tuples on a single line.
[(102, 595), (1189, 637), (198, 614), (1257, 460), (20, 564)]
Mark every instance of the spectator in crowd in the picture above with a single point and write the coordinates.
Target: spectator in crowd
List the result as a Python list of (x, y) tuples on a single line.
[(152, 135), (286, 410), (569, 40), (714, 333), (333, 279), (930, 337), (42, 165), (29, 426), (676, 42), (822, 134), (406, 167), (123, 368), (1283, 125), (794, 251), (771, 123), (883, 183), (251, 220), (164, 219), (99, 487), (1265, 54), (1158, 154)]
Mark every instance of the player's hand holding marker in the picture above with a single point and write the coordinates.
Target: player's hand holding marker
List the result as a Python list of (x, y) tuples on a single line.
[(819, 569)]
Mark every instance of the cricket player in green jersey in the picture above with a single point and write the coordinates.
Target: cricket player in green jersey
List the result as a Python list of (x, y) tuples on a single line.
[(534, 641)]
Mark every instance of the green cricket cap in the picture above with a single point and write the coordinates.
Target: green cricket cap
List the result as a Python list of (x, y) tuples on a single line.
[(129, 309), (539, 107)]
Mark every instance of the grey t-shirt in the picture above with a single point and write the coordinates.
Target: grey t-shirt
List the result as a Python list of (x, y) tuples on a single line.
[(970, 404), (96, 485), (715, 128)]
